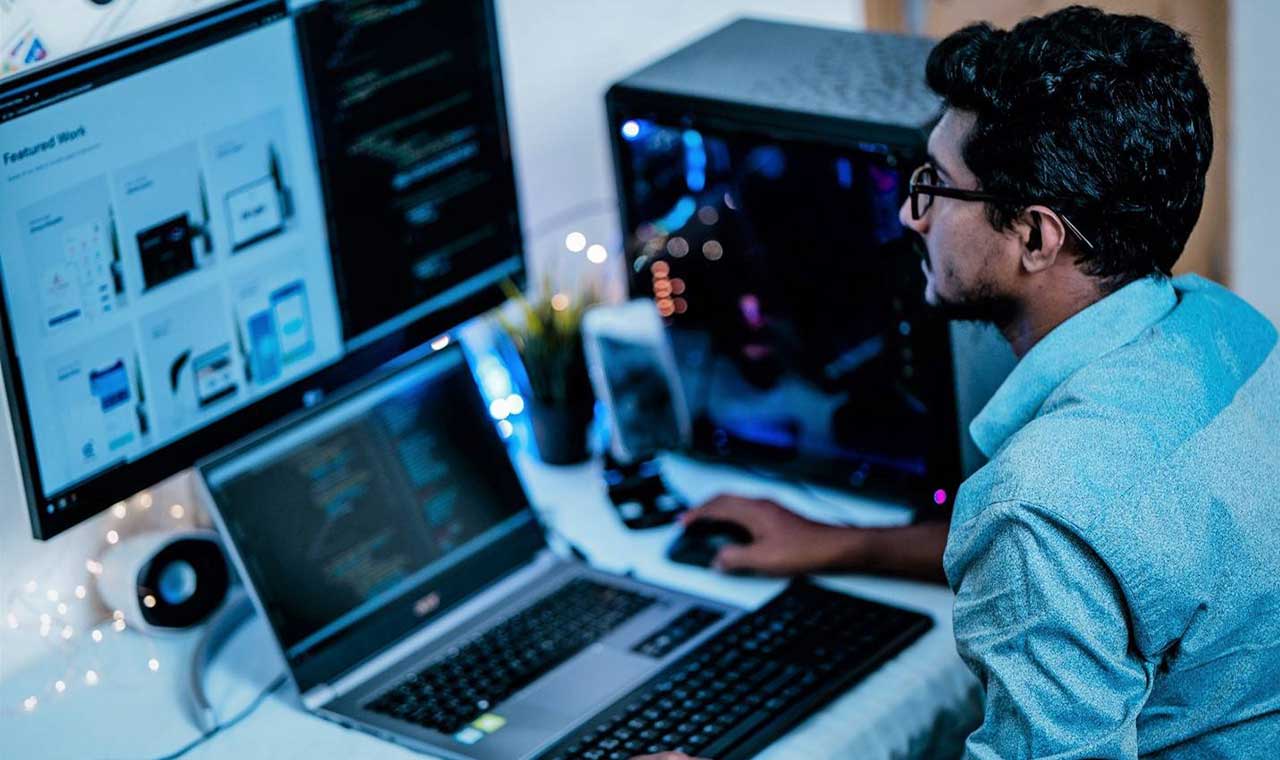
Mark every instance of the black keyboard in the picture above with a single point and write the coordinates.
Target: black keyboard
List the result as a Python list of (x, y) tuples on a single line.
[(735, 694), (450, 693)]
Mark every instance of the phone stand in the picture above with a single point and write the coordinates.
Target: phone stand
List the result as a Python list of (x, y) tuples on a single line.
[(639, 493)]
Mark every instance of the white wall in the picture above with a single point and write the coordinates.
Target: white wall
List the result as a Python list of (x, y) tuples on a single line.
[(1255, 153), (559, 57)]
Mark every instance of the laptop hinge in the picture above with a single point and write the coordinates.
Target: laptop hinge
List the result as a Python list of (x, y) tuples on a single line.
[(543, 561), (318, 696)]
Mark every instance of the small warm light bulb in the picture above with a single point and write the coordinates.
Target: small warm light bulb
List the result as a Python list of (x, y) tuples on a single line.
[(93, 566), (51, 595), (45, 619), (96, 636), (575, 242), (81, 592), (62, 608), (154, 664), (506, 428), (560, 302), (440, 343), (176, 511), (515, 403), (144, 500), (117, 615), (597, 254), (118, 625), (29, 704), (148, 601), (67, 633), (119, 510), (498, 409), (59, 686), (91, 677), (113, 537)]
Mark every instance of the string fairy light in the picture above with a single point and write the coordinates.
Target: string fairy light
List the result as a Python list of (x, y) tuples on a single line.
[(66, 615)]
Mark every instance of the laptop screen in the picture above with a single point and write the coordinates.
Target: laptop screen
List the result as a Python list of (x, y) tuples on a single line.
[(379, 500)]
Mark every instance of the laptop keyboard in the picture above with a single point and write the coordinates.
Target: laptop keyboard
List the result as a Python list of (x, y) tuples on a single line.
[(739, 691), (452, 692)]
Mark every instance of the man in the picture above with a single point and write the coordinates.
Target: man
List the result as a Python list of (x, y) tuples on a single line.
[(1117, 562)]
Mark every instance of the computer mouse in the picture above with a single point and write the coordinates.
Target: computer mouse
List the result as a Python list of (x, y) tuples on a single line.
[(702, 540)]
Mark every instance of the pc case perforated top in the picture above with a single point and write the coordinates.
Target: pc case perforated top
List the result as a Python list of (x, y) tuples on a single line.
[(867, 84)]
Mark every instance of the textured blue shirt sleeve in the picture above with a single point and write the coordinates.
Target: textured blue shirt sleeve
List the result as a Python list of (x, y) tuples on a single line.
[(1042, 622)]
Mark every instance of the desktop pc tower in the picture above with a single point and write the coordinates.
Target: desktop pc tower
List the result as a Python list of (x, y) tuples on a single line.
[(760, 171)]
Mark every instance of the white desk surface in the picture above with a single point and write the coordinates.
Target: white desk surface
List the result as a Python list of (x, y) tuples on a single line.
[(919, 705)]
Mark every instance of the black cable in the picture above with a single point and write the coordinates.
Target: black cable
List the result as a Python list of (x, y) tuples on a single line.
[(271, 688)]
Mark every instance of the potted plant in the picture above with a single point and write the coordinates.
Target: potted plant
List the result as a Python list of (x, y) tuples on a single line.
[(547, 334)]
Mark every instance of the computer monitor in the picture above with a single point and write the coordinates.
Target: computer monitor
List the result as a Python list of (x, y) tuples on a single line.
[(210, 225), (760, 198)]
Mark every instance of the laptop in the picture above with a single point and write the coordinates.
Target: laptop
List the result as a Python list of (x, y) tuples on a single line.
[(387, 541)]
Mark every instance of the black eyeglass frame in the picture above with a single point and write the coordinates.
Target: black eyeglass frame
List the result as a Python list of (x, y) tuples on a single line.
[(915, 188)]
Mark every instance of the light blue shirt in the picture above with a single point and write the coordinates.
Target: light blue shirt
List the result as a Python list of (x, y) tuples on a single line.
[(1117, 562)]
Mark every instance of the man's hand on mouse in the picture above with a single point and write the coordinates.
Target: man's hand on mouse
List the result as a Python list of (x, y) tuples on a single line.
[(782, 542)]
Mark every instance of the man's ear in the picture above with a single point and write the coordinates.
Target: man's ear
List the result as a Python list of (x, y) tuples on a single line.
[(1043, 235)]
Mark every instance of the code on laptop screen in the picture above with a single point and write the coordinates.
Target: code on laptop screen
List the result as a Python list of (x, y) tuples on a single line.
[(345, 512)]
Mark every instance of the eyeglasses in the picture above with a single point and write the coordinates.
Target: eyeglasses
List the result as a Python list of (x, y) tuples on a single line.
[(924, 187)]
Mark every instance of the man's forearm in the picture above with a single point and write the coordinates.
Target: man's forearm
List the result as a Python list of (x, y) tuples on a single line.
[(912, 551)]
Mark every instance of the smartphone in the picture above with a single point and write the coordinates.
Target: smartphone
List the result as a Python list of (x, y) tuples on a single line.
[(633, 373)]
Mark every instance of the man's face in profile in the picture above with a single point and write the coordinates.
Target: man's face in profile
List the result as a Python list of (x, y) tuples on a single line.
[(961, 253)]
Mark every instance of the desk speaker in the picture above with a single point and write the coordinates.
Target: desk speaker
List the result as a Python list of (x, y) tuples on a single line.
[(165, 581)]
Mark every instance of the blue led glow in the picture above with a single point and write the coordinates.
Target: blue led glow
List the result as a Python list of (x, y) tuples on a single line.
[(679, 214), (768, 160), (695, 161), (844, 172)]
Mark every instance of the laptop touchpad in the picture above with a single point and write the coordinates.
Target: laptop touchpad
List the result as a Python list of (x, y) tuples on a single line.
[(587, 682)]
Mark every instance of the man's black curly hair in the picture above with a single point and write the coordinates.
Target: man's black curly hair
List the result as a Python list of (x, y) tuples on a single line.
[(1101, 117)]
